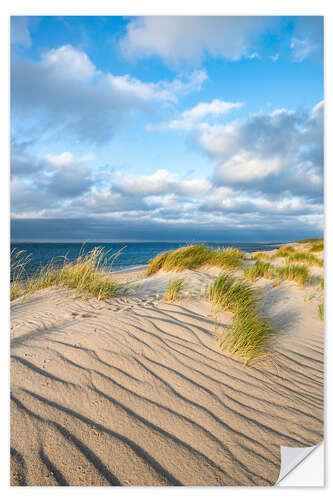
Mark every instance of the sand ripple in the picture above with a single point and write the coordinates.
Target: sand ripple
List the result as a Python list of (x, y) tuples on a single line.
[(135, 392)]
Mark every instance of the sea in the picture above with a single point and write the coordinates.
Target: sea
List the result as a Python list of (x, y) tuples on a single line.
[(130, 255)]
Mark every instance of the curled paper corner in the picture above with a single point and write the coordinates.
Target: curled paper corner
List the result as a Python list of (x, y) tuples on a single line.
[(292, 457)]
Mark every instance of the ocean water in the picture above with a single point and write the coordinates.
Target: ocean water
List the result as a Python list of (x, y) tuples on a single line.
[(131, 256)]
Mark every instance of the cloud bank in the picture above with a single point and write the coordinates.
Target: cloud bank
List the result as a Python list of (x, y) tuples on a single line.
[(64, 92)]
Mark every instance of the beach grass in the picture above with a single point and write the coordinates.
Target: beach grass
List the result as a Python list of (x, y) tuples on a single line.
[(249, 335), (321, 311), (305, 257), (87, 276), (189, 257), (293, 272), (317, 246), (309, 240), (260, 256), (259, 270), (229, 293), (156, 264), (285, 251), (321, 284), (250, 332), (173, 290), (195, 257)]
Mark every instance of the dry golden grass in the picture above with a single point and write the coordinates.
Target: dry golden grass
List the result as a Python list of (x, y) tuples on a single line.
[(195, 257), (173, 291), (87, 276)]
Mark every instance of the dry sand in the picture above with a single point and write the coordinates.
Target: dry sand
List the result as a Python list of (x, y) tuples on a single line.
[(134, 391)]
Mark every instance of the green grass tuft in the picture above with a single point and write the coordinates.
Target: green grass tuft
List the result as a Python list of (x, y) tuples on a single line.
[(309, 240), (189, 257), (249, 333), (318, 246), (259, 270), (307, 258), (284, 251), (229, 293), (86, 276), (173, 291), (321, 284), (294, 272), (321, 311), (195, 257), (261, 255), (156, 264)]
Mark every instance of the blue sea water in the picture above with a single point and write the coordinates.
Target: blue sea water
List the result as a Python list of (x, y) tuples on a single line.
[(131, 256)]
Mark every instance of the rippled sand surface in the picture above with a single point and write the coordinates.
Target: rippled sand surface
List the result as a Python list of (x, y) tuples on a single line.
[(134, 391)]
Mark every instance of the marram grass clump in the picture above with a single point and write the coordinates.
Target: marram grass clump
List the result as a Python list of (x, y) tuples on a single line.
[(307, 258), (317, 246), (190, 257), (195, 257), (173, 290), (259, 270), (294, 272), (156, 264), (260, 256), (86, 276), (249, 333), (284, 251), (229, 293)]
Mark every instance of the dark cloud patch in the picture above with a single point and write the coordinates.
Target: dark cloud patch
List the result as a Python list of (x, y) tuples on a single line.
[(70, 182), (108, 229)]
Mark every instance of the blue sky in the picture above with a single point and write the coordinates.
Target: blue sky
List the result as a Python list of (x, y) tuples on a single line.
[(159, 128)]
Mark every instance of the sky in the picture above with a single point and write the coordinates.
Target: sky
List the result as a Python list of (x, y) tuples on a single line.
[(166, 128)]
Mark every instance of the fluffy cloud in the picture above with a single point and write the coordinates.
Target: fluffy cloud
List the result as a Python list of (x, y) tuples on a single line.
[(162, 182), (47, 183), (226, 200), (274, 153), (183, 38), (66, 92), (190, 117), (267, 170)]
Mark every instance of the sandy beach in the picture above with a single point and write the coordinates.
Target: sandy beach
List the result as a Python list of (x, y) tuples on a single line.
[(135, 391)]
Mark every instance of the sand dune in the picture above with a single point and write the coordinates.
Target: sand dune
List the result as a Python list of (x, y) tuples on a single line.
[(134, 391)]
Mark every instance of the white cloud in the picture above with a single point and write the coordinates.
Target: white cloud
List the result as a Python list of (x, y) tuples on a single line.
[(162, 182), (65, 92), (160, 91), (254, 55), (247, 167), (271, 153), (301, 49), (67, 159), (274, 58), (69, 62), (190, 38), (190, 117)]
